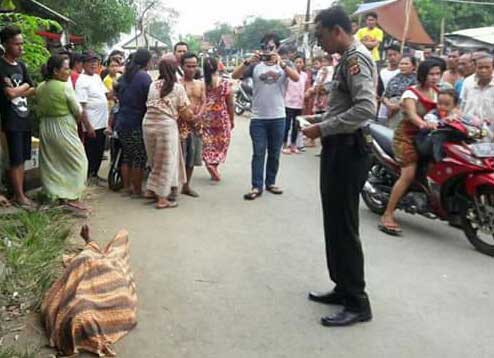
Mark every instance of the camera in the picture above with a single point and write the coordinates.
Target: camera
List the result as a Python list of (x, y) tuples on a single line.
[(265, 57)]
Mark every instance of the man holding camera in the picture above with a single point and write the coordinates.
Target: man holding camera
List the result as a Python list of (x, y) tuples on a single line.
[(344, 165), (267, 127)]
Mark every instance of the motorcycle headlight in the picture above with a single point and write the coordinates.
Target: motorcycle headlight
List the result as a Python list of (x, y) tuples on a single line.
[(466, 155), (474, 132)]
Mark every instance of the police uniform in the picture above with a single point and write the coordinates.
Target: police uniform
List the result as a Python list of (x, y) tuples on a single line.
[(344, 169)]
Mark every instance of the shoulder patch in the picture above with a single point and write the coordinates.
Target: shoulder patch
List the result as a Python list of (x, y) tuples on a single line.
[(353, 65)]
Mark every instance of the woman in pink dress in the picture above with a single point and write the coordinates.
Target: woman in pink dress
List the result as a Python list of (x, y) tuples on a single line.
[(218, 118)]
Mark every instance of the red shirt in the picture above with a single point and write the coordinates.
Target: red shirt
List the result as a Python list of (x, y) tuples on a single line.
[(73, 77)]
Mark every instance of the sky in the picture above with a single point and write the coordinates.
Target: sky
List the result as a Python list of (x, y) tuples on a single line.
[(198, 16)]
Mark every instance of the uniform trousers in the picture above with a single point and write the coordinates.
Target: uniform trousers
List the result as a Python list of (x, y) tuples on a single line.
[(344, 170)]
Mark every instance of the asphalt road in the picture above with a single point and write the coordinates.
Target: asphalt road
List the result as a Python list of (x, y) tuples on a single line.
[(220, 277)]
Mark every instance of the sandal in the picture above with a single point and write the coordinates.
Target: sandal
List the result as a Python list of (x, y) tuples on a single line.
[(191, 193), (170, 205), (287, 151), (173, 196), (392, 231), (274, 190), (78, 212), (149, 195), (4, 203), (253, 194)]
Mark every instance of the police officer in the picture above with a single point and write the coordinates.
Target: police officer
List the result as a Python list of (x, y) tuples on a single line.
[(344, 165)]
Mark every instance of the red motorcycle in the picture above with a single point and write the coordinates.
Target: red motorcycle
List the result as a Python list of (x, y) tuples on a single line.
[(458, 188)]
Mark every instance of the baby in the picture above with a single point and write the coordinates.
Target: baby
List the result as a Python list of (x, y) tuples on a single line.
[(447, 108)]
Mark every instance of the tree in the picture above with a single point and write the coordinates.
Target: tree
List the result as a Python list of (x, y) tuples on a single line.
[(252, 34), (162, 30), (155, 17), (193, 43), (431, 12), (99, 21), (35, 52), (220, 29)]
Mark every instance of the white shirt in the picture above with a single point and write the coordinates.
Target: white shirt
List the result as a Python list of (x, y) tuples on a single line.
[(386, 76), (91, 90), (478, 101), (467, 82)]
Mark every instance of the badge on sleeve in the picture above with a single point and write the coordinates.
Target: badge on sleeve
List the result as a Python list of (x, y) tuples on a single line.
[(353, 65)]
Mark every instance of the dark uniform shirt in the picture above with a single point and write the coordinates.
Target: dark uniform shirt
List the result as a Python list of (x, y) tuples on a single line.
[(352, 98)]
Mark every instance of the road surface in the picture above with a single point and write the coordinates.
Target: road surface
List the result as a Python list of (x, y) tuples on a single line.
[(219, 277)]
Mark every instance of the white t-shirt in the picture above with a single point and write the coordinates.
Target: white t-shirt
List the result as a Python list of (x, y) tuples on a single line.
[(386, 76), (91, 90)]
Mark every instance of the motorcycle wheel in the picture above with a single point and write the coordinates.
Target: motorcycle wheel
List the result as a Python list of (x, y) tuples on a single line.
[(482, 241), (374, 205), (115, 182)]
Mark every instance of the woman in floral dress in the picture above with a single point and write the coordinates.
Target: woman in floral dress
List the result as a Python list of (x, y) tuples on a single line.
[(218, 118)]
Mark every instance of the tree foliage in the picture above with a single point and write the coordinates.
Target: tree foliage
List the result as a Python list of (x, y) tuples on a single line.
[(35, 52), (193, 43), (457, 16), (220, 29), (252, 34), (162, 30), (431, 12), (99, 21)]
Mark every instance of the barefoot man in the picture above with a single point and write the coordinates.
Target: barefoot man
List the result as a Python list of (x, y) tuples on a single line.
[(191, 132)]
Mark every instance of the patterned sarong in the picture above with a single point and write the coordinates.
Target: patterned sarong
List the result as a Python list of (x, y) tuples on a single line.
[(93, 304)]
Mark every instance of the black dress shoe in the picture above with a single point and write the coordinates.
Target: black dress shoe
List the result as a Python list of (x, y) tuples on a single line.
[(328, 298), (346, 318)]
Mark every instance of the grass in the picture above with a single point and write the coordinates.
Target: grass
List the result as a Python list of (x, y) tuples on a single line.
[(31, 246), (13, 353)]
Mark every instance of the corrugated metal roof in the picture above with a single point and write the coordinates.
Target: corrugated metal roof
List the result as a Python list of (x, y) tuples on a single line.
[(52, 12)]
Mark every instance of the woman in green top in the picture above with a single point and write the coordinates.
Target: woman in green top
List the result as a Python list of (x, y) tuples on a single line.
[(63, 163)]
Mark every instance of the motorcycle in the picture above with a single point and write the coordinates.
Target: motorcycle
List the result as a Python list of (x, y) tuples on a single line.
[(459, 188), (243, 97)]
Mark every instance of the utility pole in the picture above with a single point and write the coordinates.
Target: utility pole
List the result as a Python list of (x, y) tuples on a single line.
[(306, 30)]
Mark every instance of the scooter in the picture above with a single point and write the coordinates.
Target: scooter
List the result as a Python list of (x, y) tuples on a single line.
[(243, 97), (459, 188)]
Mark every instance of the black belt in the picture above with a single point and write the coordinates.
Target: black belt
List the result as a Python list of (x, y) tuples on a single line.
[(346, 140)]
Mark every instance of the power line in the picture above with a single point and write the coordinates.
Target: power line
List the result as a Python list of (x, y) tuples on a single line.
[(471, 2)]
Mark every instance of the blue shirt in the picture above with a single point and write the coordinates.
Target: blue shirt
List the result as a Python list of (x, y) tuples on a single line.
[(132, 97)]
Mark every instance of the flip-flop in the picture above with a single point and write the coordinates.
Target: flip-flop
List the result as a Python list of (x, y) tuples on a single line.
[(78, 212), (190, 193), (274, 190), (28, 207), (170, 205), (389, 230), (253, 195), (4, 203)]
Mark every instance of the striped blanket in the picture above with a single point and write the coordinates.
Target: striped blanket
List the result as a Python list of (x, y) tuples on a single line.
[(94, 303)]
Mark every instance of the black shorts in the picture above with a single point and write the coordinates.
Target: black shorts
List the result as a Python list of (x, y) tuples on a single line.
[(133, 149), (19, 147)]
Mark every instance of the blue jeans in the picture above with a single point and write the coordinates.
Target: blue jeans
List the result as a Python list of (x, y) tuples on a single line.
[(267, 135)]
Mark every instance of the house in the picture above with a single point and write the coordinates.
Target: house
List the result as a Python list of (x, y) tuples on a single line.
[(147, 40)]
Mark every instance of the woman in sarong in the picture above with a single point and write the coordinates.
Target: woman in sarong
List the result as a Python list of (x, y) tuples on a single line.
[(218, 118), (167, 102), (63, 162)]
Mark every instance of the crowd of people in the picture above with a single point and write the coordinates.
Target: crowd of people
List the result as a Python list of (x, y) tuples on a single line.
[(171, 124), (166, 126)]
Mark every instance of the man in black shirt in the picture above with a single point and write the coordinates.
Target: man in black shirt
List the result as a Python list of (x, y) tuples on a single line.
[(15, 87)]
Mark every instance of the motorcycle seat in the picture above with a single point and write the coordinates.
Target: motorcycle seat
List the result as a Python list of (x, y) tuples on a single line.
[(383, 136)]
